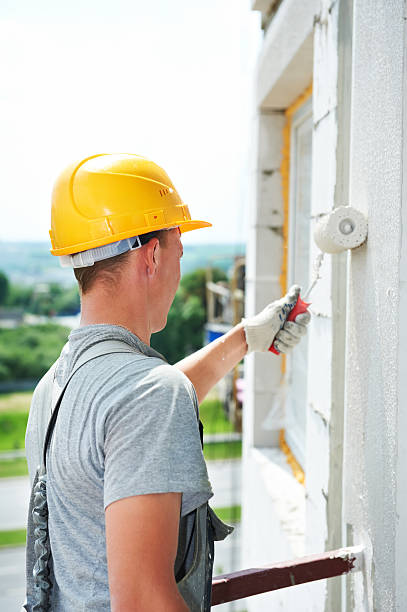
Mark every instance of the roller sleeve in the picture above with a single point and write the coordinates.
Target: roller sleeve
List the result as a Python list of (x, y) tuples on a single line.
[(343, 228)]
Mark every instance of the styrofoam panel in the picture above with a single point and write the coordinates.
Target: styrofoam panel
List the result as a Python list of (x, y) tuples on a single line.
[(325, 60)]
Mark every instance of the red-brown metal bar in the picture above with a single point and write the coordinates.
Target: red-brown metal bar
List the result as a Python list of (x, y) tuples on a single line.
[(246, 583)]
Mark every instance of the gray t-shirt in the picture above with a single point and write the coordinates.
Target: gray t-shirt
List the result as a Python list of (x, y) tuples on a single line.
[(127, 426)]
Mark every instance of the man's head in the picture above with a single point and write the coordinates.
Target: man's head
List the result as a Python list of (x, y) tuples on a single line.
[(117, 220), (134, 289)]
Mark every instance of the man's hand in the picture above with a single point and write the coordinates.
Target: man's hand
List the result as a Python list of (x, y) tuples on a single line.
[(141, 545), (271, 323), (208, 365)]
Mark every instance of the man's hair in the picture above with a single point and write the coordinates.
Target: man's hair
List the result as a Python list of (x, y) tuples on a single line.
[(108, 270)]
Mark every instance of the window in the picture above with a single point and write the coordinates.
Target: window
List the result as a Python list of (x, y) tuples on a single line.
[(298, 270)]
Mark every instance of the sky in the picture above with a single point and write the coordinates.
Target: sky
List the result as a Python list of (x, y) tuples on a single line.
[(168, 79)]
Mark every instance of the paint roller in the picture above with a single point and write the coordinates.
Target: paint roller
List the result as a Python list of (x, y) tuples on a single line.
[(340, 230)]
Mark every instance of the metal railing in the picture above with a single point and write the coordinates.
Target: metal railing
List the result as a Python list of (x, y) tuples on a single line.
[(245, 583)]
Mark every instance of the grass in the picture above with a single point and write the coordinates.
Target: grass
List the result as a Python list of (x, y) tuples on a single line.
[(213, 417), (223, 450), (15, 402), (12, 430), (13, 467), (13, 421), (230, 514), (14, 537)]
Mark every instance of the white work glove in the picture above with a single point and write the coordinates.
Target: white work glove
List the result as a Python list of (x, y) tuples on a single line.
[(270, 324)]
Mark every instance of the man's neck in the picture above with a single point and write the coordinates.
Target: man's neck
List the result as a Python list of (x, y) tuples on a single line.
[(103, 309)]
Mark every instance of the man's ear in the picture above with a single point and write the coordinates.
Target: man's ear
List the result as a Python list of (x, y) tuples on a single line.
[(152, 256)]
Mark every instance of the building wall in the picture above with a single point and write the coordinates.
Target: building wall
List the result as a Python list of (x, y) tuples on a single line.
[(293, 518), (353, 52), (375, 467)]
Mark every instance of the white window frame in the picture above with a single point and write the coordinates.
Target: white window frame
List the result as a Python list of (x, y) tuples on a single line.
[(296, 375)]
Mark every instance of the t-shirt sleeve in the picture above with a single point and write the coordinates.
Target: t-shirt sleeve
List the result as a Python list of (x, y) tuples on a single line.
[(152, 442)]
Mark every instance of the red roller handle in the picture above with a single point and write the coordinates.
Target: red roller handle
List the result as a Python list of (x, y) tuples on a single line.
[(299, 308)]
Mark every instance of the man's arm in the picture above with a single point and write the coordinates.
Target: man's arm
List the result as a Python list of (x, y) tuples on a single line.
[(141, 545), (208, 365)]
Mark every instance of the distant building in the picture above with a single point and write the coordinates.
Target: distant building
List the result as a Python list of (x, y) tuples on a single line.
[(10, 318), (325, 456), (225, 307), (70, 321)]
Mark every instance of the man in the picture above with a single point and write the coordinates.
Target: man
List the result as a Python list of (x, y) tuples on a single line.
[(126, 482)]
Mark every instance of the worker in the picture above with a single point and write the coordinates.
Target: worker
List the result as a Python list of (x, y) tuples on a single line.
[(119, 518)]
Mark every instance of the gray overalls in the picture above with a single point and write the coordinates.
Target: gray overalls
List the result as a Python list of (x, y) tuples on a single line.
[(197, 531)]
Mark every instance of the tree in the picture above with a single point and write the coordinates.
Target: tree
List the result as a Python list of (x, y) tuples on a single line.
[(194, 283), (20, 296), (45, 299), (4, 288), (27, 352), (183, 333), (68, 302)]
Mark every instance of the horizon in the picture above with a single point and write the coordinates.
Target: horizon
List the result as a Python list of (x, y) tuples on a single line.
[(28, 263)]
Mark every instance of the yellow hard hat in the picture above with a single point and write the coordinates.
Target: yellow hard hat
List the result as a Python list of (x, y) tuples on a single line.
[(106, 198)]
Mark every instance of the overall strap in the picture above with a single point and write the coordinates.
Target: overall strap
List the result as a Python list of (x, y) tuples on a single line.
[(108, 347)]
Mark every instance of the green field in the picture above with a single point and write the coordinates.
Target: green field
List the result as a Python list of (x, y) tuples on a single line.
[(213, 417), (214, 421), (14, 537), (212, 452), (13, 421), (230, 514), (12, 430), (15, 402), (223, 450), (13, 467), (14, 412)]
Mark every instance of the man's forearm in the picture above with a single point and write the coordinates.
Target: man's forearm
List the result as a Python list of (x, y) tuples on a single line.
[(208, 365), (156, 600)]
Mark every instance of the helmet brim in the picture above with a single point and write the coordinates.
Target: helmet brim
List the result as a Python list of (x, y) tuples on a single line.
[(188, 226), (185, 226)]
